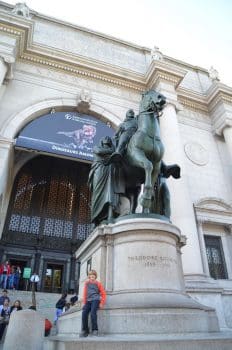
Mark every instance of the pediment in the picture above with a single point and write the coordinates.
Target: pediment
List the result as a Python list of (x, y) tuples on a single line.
[(213, 204)]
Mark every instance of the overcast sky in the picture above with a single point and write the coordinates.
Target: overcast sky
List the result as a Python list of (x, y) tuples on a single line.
[(195, 31)]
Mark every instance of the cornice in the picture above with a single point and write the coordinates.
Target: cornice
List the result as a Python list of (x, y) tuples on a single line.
[(79, 70), (192, 104), (192, 100), (162, 71), (218, 93), (77, 65), (169, 70), (74, 65)]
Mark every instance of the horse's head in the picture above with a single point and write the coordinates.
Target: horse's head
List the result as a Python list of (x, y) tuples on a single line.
[(152, 101)]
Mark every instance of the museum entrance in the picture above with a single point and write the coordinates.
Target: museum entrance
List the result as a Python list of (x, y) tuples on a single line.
[(49, 216), (53, 279)]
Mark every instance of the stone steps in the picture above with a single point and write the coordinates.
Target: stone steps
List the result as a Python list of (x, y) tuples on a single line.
[(193, 341), (45, 302)]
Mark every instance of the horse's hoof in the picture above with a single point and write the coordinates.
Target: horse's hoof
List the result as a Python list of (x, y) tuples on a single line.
[(145, 202)]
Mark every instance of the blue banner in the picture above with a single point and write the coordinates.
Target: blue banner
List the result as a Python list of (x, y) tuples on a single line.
[(67, 133)]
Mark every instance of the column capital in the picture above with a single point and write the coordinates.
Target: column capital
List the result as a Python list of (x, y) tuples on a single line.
[(220, 123), (176, 104)]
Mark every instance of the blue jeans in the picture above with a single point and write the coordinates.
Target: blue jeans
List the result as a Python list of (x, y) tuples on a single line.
[(3, 282), (90, 307), (11, 281), (58, 313)]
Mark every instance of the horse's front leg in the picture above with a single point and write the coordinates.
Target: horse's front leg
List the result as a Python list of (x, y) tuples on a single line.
[(155, 174), (145, 199)]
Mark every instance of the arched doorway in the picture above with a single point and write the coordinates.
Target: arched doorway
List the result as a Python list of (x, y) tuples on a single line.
[(48, 218)]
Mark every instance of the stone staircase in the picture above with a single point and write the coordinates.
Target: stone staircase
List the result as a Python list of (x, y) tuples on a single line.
[(192, 341), (45, 302)]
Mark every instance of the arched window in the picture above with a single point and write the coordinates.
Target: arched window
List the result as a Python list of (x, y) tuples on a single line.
[(51, 198)]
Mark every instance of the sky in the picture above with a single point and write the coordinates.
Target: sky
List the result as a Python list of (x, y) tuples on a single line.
[(198, 32)]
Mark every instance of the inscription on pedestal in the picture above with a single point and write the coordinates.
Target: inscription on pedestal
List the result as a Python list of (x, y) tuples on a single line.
[(151, 260)]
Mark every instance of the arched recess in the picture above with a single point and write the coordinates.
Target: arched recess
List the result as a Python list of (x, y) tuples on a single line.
[(17, 122)]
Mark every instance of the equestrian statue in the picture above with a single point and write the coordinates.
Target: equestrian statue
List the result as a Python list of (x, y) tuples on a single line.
[(135, 160)]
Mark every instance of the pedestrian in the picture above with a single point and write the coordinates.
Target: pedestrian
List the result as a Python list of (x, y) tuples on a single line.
[(5, 272), (11, 278), (17, 276), (16, 306), (60, 306), (94, 297), (34, 280), (4, 297), (73, 299), (48, 327), (5, 316)]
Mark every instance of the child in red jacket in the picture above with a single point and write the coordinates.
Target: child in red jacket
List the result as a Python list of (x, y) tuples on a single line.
[(94, 297)]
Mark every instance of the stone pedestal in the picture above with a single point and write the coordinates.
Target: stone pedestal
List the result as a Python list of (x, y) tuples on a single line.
[(25, 331), (138, 260)]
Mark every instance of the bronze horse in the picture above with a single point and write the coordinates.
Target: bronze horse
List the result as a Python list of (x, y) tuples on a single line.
[(142, 161)]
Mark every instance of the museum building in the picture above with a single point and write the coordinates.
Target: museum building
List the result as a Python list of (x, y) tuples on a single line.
[(63, 87)]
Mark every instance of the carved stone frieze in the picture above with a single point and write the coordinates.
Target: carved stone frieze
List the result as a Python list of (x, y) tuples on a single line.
[(193, 104)]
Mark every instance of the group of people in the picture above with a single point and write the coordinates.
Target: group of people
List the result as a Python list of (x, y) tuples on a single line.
[(94, 297), (9, 276), (6, 310), (63, 305)]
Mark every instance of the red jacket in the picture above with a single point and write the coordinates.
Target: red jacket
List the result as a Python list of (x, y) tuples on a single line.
[(48, 324), (8, 271), (101, 292)]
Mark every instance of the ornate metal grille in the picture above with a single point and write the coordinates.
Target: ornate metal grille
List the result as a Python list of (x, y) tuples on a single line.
[(215, 256), (51, 198)]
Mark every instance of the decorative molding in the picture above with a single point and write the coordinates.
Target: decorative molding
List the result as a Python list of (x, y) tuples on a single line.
[(213, 202), (193, 104), (4, 141), (196, 153), (213, 210), (76, 70)]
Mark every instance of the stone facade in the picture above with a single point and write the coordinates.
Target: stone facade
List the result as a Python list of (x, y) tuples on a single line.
[(46, 63)]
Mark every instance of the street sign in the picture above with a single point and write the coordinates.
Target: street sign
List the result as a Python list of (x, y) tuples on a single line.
[(27, 272)]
